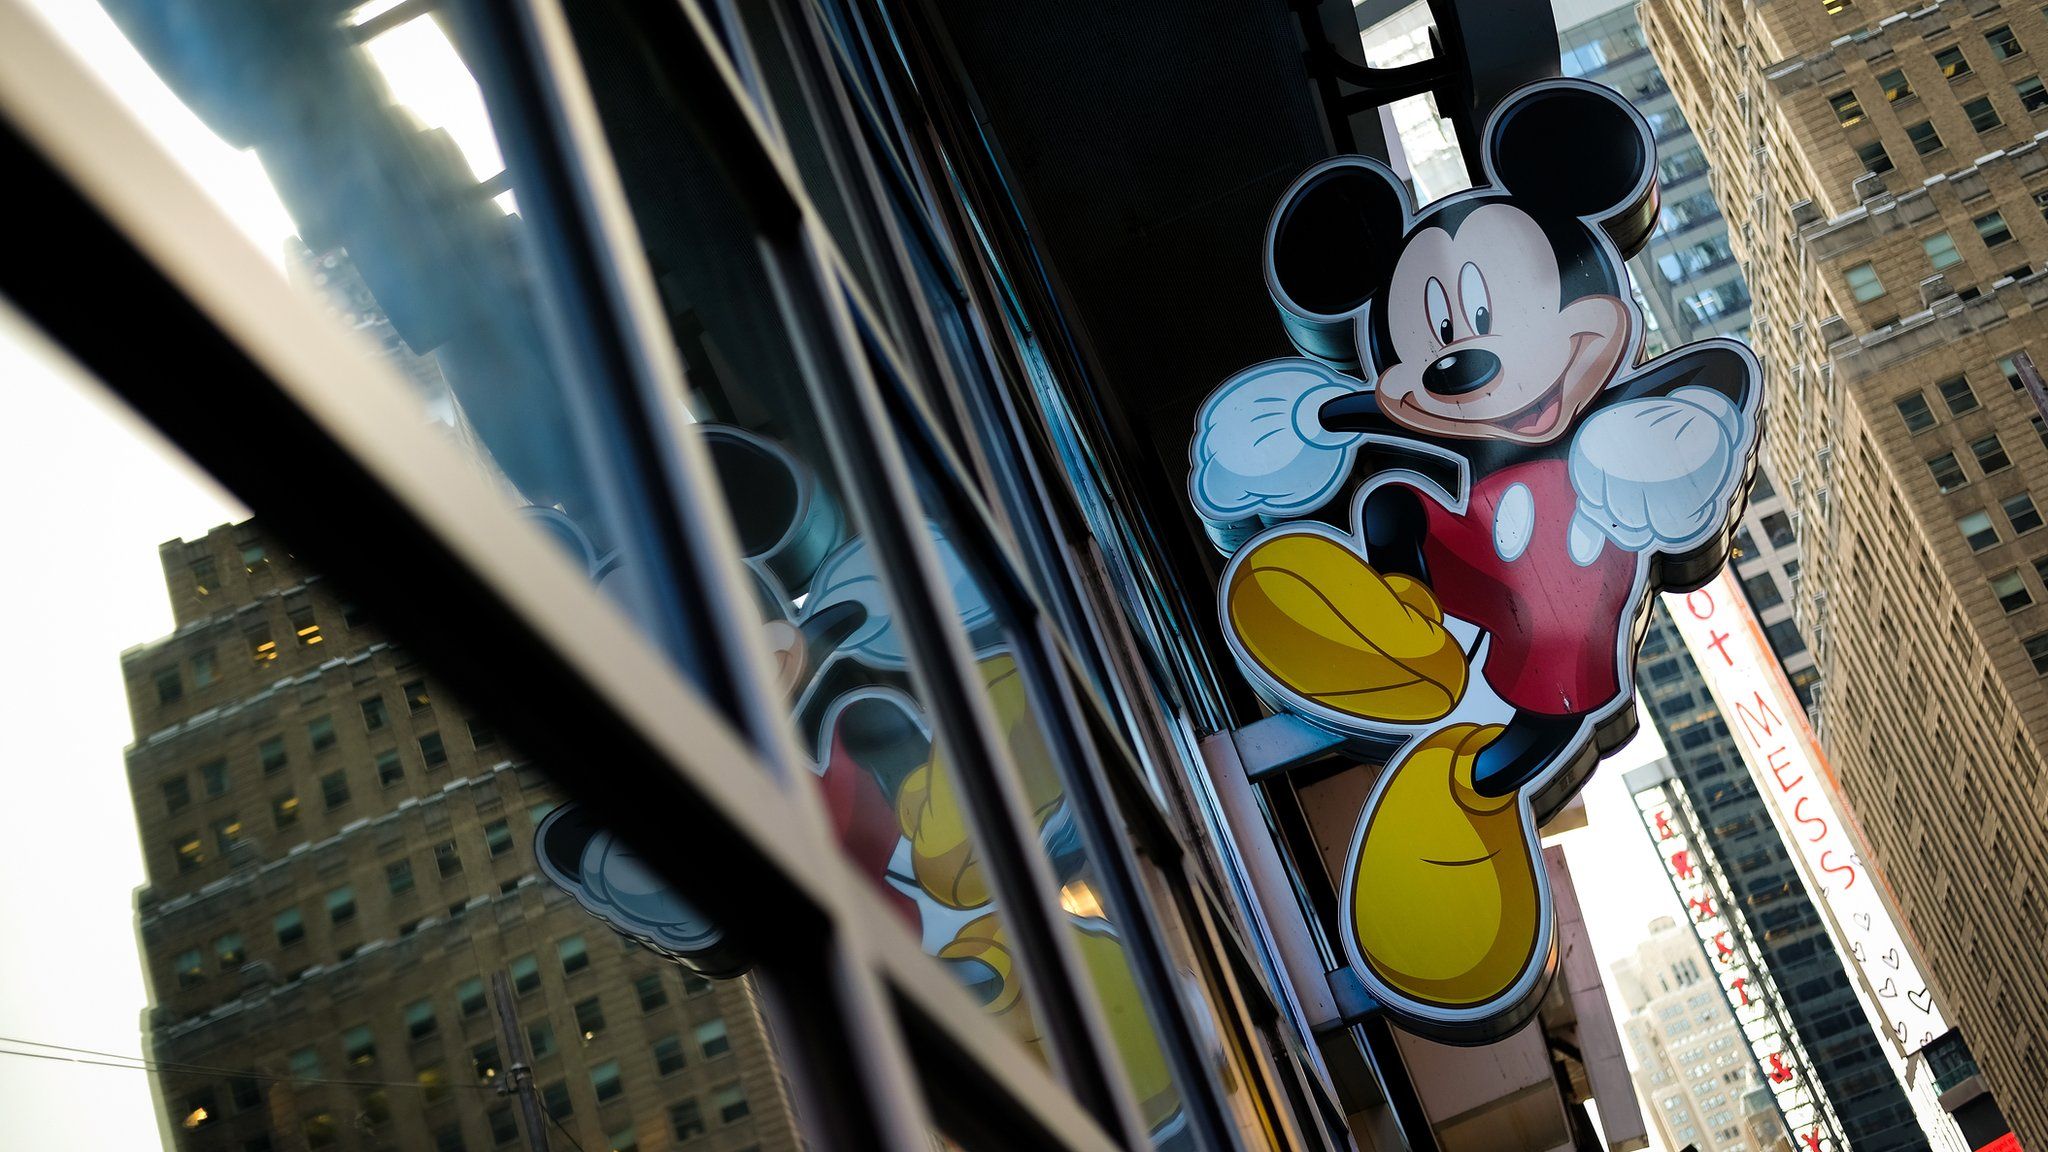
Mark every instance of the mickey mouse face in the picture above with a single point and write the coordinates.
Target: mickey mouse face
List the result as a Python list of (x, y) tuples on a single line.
[(1482, 346), (1500, 313)]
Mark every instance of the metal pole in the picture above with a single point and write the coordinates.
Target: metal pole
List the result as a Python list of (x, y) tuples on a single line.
[(516, 1067)]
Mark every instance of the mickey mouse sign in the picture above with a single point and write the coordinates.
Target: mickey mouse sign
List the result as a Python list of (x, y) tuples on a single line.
[(1453, 550)]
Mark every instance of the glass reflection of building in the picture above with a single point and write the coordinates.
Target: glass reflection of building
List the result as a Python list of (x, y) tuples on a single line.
[(811, 334)]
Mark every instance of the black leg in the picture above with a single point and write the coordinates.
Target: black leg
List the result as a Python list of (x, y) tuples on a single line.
[(1531, 742)]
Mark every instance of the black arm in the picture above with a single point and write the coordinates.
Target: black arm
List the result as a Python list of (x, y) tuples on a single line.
[(1717, 365), (1355, 412), (1396, 524)]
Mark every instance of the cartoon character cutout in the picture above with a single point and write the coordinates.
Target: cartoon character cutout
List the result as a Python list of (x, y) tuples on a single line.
[(1518, 486)]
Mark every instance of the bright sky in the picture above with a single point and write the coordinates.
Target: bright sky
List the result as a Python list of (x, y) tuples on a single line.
[(99, 491)]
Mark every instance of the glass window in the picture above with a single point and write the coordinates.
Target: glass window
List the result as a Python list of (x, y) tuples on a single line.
[(419, 1019), (1983, 117), (262, 649), (177, 794), (1990, 454), (432, 751), (504, 1128), (398, 877), (1948, 472), (589, 1018), (481, 733), (227, 832), (2037, 651), (215, 775), (416, 698), (1925, 139), (334, 789), (229, 950), (604, 1080), (730, 1102), (320, 733), (271, 753), (1978, 531), (2009, 366), (1875, 158), (540, 1039), (289, 926), (469, 996), (190, 967), (170, 686), (686, 1120), (203, 670), (1956, 393), (2004, 44), (1863, 282), (305, 1064), (1778, 529), (483, 1060), (1847, 108), (626, 1141), (1952, 62), (2011, 590), (498, 837), (668, 1055), (358, 1046), (1941, 251), (525, 974), (1991, 227), (575, 958), (304, 627), (448, 1138), (341, 905), (1896, 86), (1763, 593), (555, 1099), (2020, 511), (447, 859), (1836, 7), (191, 851), (374, 714), (711, 1038), (389, 770), (2031, 93), (652, 994)]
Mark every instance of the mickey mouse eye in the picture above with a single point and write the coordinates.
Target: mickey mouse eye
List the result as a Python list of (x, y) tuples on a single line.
[(1472, 294), (1438, 304)]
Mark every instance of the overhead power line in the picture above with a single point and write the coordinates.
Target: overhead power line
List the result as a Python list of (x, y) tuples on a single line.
[(146, 1064)]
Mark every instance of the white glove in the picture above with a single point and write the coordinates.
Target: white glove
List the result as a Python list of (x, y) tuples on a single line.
[(1659, 472), (1259, 449), (850, 576)]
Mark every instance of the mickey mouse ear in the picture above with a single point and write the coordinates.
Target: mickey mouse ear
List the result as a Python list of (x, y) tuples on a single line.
[(1575, 148), (1330, 246)]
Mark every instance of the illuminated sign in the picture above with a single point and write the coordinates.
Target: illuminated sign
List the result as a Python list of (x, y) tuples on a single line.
[(1793, 776), (1449, 552), (1737, 962)]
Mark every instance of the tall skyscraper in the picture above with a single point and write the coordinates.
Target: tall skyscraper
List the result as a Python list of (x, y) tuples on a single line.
[(340, 856), (1692, 1066)]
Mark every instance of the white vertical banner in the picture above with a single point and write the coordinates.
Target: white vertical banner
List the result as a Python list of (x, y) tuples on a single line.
[(1770, 729)]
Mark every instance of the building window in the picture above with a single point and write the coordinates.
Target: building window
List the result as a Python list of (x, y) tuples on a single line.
[(686, 1120), (1847, 108), (374, 714), (555, 1098), (1990, 454), (498, 838), (2041, 430), (2037, 651), (1948, 472), (469, 996), (1785, 639), (731, 1103), (2021, 512), (574, 956), (433, 1084), (419, 1020), (271, 752), (447, 858), (1991, 227), (229, 950), (203, 670), (1863, 282), (214, 776), (604, 1080), (2004, 44), (481, 734), (304, 627), (626, 1141), (711, 1038), (1835, 7), (525, 974), (2032, 94), (320, 733), (652, 994), (416, 698), (289, 926), (358, 1046), (589, 1018), (1983, 117), (504, 1129), (1952, 62), (1875, 159), (448, 1138), (177, 794), (262, 649), (1925, 139), (432, 751), (2011, 590), (483, 1060), (191, 851), (389, 770), (2009, 365), (1978, 531), (1956, 393), (334, 789), (540, 1038), (1778, 527), (170, 687), (227, 832), (190, 967), (668, 1055), (1896, 86), (1941, 251), (341, 905), (1914, 411), (398, 877), (204, 576)]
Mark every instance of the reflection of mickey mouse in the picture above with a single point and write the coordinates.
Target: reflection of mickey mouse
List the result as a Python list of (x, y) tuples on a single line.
[(1526, 486)]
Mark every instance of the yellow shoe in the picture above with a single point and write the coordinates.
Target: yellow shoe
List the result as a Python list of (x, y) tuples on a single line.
[(1317, 618), (1444, 899)]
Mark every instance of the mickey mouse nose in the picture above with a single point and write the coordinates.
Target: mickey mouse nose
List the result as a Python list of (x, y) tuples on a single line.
[(1456, 373)]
